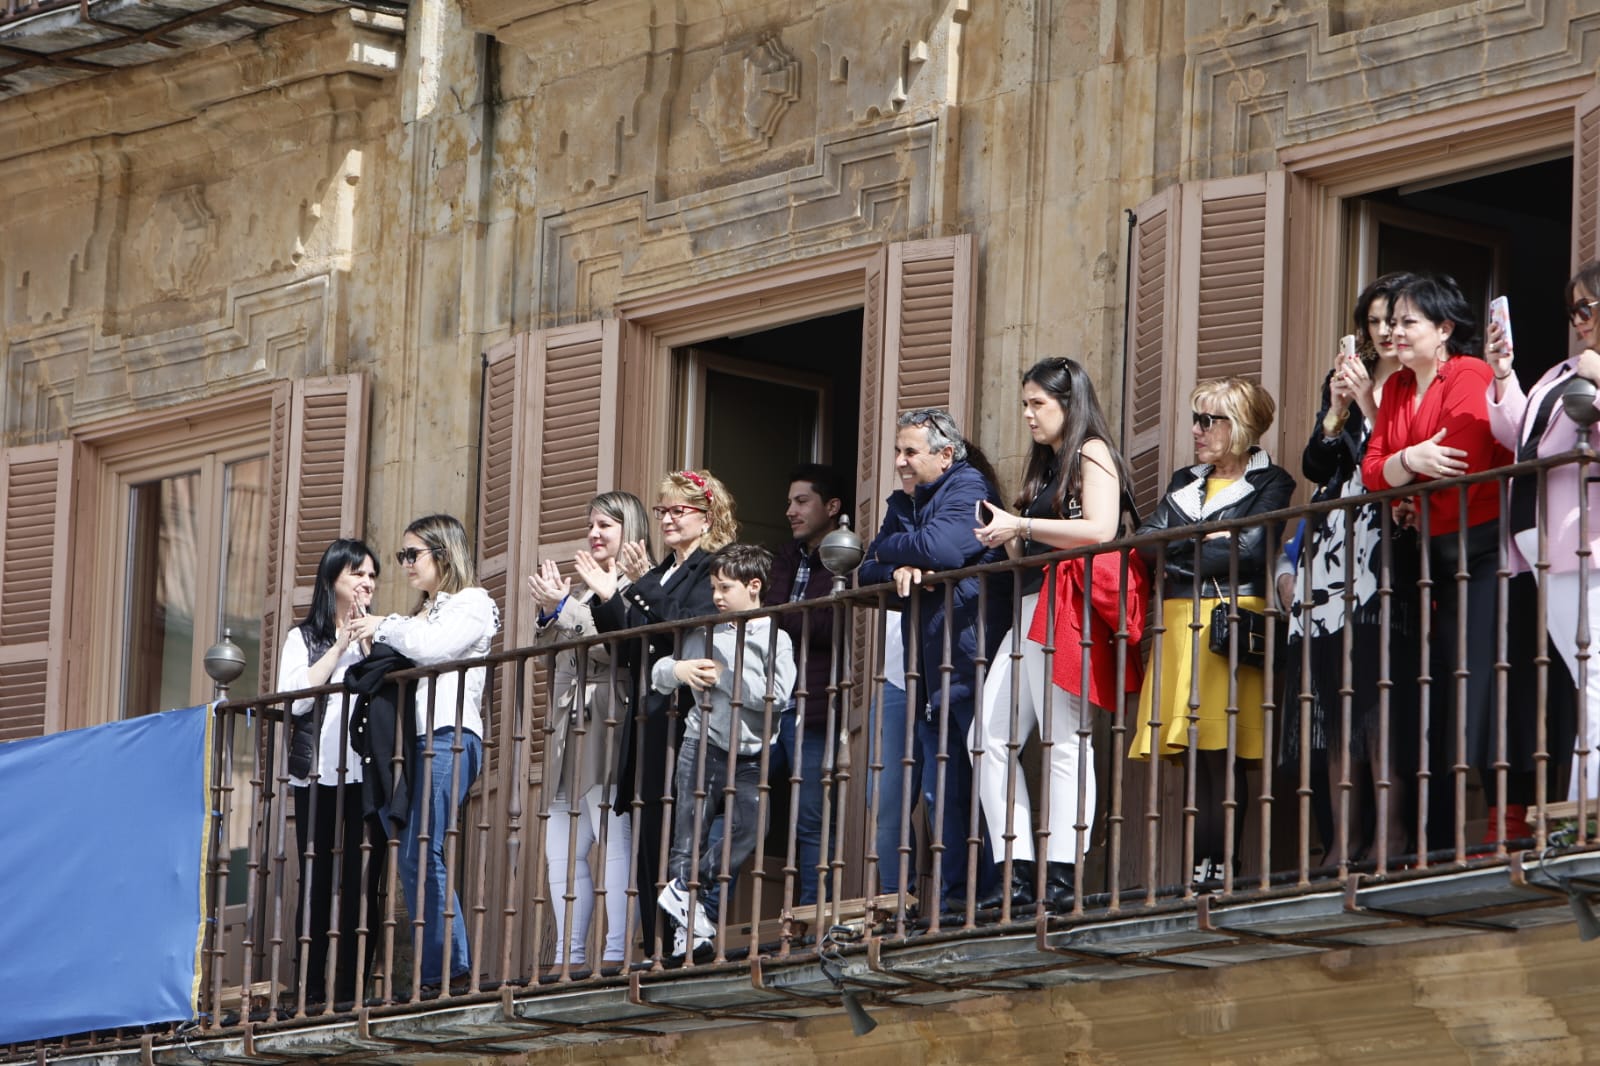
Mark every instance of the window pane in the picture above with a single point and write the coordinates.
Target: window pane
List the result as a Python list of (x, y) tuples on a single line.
[(163, 556), (244, 566)]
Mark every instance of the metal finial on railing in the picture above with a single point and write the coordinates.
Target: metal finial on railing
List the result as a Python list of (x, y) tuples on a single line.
[(224, 663)]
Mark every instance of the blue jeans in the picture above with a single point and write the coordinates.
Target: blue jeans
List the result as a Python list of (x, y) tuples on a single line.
[(957, 803), (888, 787), (808, 815), (443, 806)]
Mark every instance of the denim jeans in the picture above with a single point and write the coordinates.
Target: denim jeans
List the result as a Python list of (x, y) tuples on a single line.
[(888, 787), (745, 824), (443, 806), (808, 814), (957, 804)]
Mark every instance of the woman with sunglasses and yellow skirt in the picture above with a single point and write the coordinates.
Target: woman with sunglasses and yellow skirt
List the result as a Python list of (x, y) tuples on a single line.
[(1233, 477)]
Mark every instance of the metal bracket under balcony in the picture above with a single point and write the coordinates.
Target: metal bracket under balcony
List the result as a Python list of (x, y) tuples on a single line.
[(44, 43)]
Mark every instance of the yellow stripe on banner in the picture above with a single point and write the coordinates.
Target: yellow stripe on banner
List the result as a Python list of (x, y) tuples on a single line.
[(205, 855)]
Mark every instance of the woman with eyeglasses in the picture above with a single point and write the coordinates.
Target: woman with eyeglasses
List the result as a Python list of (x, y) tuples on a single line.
[(1317, 666), (1233, 477), (1433, 423), (695, 514), (455, 618), (329, 819), (1075, 492), (590, 706), (1535, 424)]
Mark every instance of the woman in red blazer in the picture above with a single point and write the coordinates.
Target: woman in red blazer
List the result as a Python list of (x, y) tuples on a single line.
[(1433, 424)]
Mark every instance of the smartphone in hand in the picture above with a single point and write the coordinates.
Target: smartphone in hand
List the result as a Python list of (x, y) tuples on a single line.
[(1500, 315)]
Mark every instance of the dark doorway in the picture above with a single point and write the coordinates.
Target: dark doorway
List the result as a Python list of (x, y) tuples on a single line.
[(755, 405)]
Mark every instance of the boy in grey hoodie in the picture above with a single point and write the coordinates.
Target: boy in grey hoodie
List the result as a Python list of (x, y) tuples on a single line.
[(733, 711)]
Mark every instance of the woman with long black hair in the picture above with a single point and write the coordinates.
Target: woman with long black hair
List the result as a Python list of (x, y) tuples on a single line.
[(1073, 494), (326, 774)]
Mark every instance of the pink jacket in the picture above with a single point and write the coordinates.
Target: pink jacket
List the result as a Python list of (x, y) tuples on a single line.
[(1507, 421)]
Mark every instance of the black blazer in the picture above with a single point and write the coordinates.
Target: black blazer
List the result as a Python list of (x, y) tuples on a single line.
[(1270, 487), (645, 602)]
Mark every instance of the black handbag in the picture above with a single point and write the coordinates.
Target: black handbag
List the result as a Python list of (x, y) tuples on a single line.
[(1252, 632)]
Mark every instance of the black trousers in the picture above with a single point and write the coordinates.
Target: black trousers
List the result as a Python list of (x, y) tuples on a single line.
[(327, 832)]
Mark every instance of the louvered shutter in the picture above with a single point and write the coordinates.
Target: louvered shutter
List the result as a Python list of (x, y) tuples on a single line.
[(319, 456), (501, 454), (872, 451), (36, 497), (1586, 180), (929, 348), (1152, 325), (1230, 299)]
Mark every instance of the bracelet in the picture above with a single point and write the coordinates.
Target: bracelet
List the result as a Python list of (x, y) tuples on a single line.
[(1405, 465)]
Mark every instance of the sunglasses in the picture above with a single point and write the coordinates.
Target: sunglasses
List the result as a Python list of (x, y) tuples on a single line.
[(1205, 421), (1582, 311), (408, 556), (677, 511)]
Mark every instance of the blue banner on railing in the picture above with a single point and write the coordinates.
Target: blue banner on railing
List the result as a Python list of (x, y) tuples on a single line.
[(103, 841)]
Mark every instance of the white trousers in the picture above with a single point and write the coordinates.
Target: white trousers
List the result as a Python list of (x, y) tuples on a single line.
[(1071, 757), (619, 843), (1561, 620)]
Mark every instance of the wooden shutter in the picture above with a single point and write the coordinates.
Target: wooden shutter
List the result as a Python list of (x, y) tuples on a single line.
[(1152, 342), (1231, 283), (36, 496), (928, 351), (319, 456), (1586, 180)]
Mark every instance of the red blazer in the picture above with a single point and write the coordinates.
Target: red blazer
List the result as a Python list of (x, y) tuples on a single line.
[(1104, 601), (1456, 403)]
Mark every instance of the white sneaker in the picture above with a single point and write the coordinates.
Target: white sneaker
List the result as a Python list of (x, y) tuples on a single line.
[(704, 927), (674, 900)]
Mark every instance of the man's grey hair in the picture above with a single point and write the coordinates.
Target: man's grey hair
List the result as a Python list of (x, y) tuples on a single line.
[(941, 428)]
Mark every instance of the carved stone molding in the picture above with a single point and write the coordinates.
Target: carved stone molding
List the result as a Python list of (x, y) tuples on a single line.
[(745, 97), (870, 187), (1275, 78), (67, 377)]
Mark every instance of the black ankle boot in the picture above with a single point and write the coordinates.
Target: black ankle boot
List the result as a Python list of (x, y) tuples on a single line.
[(1020, 889), (1058, 886)]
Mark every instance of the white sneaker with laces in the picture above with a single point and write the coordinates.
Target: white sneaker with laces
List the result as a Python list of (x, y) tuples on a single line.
[(674, 900)]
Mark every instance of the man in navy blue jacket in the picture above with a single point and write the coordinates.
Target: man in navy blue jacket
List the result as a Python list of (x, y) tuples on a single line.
[(928, 527)]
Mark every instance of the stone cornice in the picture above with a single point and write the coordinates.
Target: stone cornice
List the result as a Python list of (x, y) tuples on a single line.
[(365, 45)]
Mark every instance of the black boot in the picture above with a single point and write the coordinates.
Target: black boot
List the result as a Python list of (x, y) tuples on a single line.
[(1058, 886), (1020, 890)]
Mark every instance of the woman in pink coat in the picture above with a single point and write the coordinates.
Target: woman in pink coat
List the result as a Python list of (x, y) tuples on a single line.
[(1534, 424)]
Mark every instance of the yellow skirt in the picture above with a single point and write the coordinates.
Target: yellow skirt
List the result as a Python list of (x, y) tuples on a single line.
[(1178, 670)]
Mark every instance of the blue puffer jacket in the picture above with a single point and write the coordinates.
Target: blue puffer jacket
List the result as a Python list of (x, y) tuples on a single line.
[(932, 530)]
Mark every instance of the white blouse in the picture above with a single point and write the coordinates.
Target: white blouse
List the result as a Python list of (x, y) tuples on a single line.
[(455, 626), (293, 670)]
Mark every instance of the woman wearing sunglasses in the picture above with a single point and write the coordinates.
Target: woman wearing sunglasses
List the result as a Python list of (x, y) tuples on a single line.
[(1233, 477), (1536, 424), (695, 515), (590, 702), (454, 619), (1433, 423)]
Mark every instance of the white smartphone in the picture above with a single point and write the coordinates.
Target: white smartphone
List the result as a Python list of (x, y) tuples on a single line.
[(1500, 315), (1347, 346)]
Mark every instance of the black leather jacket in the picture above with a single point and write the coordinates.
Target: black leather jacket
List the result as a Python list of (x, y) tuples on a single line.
[(1268, 488)]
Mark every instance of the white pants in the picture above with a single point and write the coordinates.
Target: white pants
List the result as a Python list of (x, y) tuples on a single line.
[(619, 843), (1071, 749), (1561, 620)]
